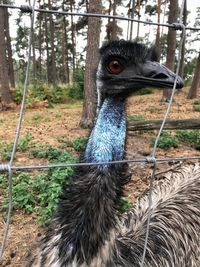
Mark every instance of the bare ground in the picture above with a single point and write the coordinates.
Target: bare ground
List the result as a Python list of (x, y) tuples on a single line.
[(46, 126)]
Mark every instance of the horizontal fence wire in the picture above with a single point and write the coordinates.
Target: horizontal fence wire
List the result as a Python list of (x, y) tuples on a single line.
[(28, 9), (147, 160), (150, 160)]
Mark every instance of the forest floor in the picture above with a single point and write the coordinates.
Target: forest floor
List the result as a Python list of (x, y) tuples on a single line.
[(47, 126)]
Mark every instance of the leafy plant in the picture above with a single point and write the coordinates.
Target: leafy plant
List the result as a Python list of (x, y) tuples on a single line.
[(75, 92), (23, 144), (5, 151), (39, 91), (37, 117), (125, 204), (39, 193), (196, 108), (190, 137), (196, 102), (79, 143), (166, 141)]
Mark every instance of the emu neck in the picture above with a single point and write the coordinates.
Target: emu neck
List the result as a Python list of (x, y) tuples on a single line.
[(88, 212), (107, 139)]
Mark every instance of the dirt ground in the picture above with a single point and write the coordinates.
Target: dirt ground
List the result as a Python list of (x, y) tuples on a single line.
[(48, 125)]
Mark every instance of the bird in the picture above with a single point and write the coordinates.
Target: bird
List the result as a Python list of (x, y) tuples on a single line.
[(87, 229)]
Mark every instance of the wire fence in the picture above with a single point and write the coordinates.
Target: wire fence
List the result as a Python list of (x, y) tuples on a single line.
[(11, 167)]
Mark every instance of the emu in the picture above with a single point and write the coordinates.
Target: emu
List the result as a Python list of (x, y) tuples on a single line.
[(87, 230)]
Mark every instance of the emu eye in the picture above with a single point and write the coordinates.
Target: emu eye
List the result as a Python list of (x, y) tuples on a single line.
[(115, 66)]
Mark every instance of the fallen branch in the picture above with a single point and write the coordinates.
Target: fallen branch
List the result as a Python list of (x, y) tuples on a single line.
[(170, 124)]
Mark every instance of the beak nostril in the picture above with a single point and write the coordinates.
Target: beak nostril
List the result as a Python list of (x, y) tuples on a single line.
[(160, 76)]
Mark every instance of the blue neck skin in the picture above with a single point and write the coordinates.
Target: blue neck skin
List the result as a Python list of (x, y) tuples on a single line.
[(107, 139)]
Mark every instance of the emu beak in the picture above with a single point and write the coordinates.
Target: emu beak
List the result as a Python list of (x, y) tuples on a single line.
[(156, 75)]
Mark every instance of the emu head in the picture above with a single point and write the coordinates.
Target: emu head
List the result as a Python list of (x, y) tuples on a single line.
[(127, 66)]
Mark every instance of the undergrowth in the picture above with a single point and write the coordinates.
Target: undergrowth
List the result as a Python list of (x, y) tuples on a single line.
[(53, 94), (78, 143), (6, 148), (39, 192), (166, 141), (187, 137), (136, 117)]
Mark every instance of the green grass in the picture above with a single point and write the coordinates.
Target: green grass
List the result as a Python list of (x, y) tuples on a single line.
[(37, 118), (152, 109), (136, 117)]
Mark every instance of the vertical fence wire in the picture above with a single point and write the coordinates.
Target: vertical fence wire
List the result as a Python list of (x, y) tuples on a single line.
[(23, 103), (158, 137)]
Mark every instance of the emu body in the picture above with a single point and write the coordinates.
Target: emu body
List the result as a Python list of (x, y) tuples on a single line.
[(87, 229)]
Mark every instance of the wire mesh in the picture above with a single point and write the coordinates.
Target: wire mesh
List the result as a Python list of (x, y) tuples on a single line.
[(10, 167)]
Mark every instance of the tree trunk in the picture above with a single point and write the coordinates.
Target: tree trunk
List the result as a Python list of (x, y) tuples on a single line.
[(47, 49), (52, 55), (9, 50), (92, 58), (40, 39), (138, 25), (157, 43), (182, 62), (33, 56), (73, 28), (196, 81), (132, 16), (65, 67), (4, 78), (171, 43)]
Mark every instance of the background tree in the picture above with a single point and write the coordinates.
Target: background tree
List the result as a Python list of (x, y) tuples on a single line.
[(171, 43), (182, 60), (112, 29), (93, 38), (8, 48), (158, 10), (195, 81), (6, 97), (196, 78)]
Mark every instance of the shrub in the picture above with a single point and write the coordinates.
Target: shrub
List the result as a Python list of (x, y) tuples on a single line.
[(40, 92), (196, 108), (125, 204), (75, 92), (78, 144), (39, 193), (166, 141), (6, 148), (196, 102), (190, 137), (23, 144)]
